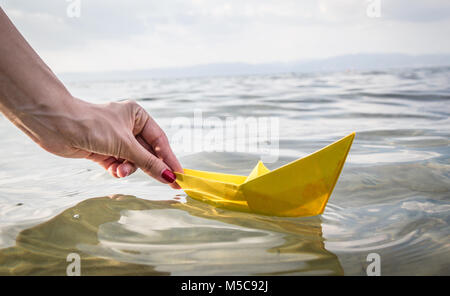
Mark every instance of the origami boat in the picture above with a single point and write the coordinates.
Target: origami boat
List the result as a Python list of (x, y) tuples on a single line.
[(299, 188)]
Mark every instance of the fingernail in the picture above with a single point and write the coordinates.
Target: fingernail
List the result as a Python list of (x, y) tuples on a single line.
[(126, 171), (168, 176)]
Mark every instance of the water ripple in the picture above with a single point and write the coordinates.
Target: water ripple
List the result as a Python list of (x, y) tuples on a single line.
[(393, 196)]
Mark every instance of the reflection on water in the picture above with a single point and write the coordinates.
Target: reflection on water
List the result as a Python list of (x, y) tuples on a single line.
[(392, 198), (43, 249), (127, 235)]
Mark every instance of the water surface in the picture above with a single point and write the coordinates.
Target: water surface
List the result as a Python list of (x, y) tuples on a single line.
[(392, 197)]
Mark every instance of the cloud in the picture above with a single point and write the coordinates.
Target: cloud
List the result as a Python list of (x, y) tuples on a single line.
[(417, 10), (126, 35)]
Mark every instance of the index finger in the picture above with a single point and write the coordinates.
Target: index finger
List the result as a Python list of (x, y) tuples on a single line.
[(157, 140)]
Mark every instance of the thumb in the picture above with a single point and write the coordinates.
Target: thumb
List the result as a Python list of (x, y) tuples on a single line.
[(151, 164)]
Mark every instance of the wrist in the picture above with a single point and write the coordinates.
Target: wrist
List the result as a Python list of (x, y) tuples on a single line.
[(52, 120)]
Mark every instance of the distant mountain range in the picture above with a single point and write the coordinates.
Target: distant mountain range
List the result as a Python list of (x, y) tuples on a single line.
[(338, 63)]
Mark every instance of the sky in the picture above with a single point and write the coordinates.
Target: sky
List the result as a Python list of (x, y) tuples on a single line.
[(108, 35)]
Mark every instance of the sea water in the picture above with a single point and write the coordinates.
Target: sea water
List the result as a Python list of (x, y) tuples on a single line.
[(392, 198)]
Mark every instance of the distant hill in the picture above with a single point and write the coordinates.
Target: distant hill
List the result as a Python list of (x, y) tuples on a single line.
[(338, 63)]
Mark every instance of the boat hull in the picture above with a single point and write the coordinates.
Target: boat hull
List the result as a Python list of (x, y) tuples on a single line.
[(300, 188)]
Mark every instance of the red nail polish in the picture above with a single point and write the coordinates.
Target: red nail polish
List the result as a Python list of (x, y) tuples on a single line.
[(168, 176)]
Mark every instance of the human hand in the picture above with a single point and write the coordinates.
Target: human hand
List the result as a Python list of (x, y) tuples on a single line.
[(120, 136)]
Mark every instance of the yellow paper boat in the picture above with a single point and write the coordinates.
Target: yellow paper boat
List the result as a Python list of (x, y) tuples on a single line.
[(299, 188)]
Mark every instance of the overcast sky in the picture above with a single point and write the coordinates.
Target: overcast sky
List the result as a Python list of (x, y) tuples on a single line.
[(132, 34)]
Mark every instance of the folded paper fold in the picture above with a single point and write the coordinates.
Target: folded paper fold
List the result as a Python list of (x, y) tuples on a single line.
[(299, 188)]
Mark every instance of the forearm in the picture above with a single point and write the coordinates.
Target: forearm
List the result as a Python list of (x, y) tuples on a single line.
[(119, 136), (29, 90)]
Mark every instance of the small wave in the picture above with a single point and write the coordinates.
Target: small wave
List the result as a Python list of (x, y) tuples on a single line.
[(409, 96)]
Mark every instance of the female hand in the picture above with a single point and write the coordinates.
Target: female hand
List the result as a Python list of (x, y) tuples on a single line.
[(120, 136)]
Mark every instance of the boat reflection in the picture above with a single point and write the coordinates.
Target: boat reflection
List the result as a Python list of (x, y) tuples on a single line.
[(125, 235)]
